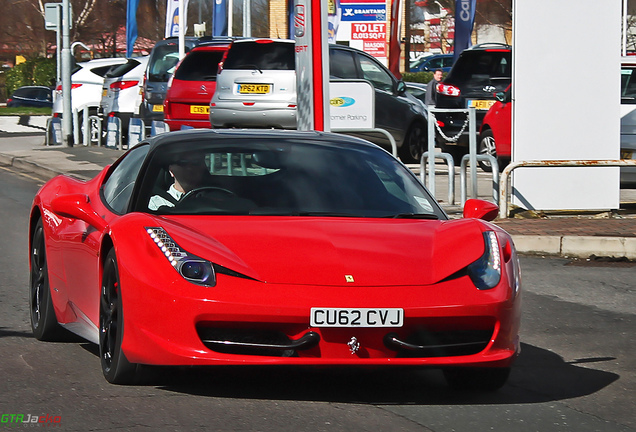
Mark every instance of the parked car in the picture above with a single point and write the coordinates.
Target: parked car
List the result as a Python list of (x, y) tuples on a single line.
[(433, 62), (192, 86), (495, 135), (479, 73), (31, 96), (256, 87), (87, 81), (121, 92), (418, 90), (267, 259), (628, 119), (161, 65)]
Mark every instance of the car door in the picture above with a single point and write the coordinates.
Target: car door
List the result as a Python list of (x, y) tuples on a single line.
[(82, 241)]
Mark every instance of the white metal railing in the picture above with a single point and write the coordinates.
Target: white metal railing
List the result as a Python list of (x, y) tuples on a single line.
[(505, 175)]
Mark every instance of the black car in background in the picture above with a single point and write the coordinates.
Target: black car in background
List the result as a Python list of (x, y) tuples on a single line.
[(479, 73), (31, 96)]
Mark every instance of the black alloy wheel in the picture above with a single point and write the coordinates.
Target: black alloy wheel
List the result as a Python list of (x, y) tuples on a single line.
[(116, 368), (413, 145), (43, 320)]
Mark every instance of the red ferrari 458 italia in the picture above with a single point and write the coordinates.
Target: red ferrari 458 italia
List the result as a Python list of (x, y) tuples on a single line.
[(210, 247)]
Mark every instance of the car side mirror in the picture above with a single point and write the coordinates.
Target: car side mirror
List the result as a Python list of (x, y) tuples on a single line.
[(77, 206), (401, 87), (480, 209)]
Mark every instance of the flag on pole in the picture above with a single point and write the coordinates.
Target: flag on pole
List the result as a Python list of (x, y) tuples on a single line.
[(219, 18), (131, 25), (464, 20), (172, 17)]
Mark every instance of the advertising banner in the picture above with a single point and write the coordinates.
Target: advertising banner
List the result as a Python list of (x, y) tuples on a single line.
[(172, 17), (464, 20), (364, 12), (219, 18), (131, 25), (352, 105)]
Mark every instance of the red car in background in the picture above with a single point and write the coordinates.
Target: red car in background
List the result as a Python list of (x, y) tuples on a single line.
[(495, 135), (192, 86)]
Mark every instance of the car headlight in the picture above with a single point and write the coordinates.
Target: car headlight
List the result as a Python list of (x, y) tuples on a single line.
[(190, 267), (486, 271)]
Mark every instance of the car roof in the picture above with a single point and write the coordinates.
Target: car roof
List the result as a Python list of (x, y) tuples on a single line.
[(167, 139), (487, 46)]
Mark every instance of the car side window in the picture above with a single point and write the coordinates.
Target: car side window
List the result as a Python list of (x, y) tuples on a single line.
[(342, 65), (372, 72), (119, 186)]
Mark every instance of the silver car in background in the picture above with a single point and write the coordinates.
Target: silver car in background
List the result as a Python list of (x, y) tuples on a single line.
[(256, 86), (628, 119)]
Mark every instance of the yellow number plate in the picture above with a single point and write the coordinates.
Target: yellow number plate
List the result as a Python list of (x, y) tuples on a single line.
[(254, 88), (157, 108), (480, 104), (627, 154), (199, 109), (104, 92)]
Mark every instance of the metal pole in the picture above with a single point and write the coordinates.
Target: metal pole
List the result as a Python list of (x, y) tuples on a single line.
[(67, 108), (58, 41), (230, 17), (431, 151), (624, 28), (247, 18), (472, 147), (182, 17)]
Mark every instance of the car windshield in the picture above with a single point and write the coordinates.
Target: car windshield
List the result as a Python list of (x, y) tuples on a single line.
[(628, 84), (163, 62), (199, 66), (265, 176), (259, 55), (482, 67)]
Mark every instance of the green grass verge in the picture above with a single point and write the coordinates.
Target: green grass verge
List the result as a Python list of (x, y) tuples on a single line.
[(5, 111)]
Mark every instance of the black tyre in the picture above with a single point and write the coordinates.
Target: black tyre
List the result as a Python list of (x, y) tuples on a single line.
[(43, 320), (487, 146), (477, 379), (414, 143), (116, 368)]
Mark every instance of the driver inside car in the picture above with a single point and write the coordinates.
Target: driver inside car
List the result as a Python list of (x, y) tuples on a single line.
[(188, 173)]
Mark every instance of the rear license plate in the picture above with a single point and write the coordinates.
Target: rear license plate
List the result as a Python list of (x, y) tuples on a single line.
[(157, 108), (199, 109), (356, 317), (254, 88), (480, 104), (104, 92), (627, 154)]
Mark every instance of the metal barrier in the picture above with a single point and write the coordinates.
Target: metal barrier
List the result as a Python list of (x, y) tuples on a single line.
[(377, 130), (472, 145), (503, 188), (495, 176), (451, 173)]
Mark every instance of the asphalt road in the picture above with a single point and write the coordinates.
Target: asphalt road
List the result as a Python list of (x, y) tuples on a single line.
[(576, 372)]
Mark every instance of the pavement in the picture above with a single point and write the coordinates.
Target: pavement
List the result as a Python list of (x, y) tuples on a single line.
[(593, 236)]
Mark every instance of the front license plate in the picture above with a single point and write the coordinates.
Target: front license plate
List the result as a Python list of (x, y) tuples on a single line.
[(627, 154), (199, 109), (157, 108), (254, 88), (480, 104), (344, 317)]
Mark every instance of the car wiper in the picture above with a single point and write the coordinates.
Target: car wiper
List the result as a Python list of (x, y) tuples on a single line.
[(413, 216), (249, 66)]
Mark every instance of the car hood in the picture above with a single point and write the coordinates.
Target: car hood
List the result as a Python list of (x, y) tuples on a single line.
[(323, 251)]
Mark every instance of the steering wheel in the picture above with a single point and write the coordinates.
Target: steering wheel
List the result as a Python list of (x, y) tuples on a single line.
[(204, 190)]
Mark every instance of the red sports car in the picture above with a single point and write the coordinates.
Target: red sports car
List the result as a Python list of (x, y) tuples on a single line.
[(227, 247)]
